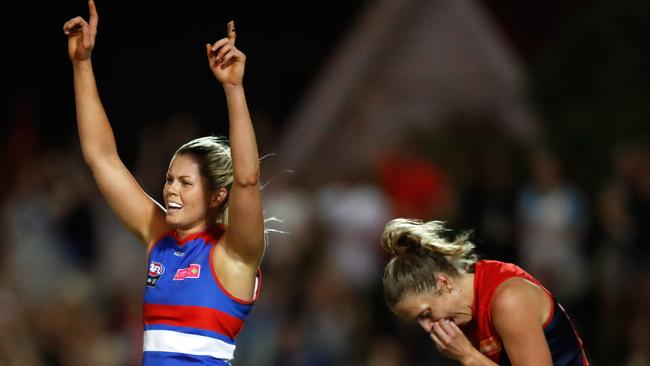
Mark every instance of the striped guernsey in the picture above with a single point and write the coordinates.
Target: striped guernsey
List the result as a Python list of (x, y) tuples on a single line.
[(189, 318)]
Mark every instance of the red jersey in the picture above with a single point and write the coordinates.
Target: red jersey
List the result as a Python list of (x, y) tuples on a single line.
[(564, 343)]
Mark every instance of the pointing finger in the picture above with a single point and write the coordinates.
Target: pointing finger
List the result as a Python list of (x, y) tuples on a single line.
[(94, 18), (86, 35), (231, 31)]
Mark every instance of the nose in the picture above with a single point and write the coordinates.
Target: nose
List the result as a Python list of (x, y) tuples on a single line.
[(171, 188)]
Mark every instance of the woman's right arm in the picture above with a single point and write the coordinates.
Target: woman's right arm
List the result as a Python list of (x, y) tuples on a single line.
[(139, 212), (519, 310)]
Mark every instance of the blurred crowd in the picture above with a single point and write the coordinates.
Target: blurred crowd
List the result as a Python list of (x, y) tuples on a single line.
[(71, 278)]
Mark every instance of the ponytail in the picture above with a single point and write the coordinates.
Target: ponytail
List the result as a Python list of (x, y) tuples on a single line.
[(421, 251)]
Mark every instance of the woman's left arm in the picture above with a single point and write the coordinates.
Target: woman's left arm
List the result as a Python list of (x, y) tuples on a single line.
[(519, 310), (245, 233)]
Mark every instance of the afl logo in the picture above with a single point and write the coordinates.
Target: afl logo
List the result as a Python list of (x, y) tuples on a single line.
[(155, 271)]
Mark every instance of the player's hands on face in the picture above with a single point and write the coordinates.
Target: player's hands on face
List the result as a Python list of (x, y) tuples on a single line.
[(81, 34), (450, 340), (226, 61)]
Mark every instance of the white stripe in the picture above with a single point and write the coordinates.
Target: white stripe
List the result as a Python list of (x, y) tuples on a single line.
[(170, 341)]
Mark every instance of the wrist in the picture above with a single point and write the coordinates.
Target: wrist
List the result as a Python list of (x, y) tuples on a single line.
[(473, 358), (82, 65), (232, 87)]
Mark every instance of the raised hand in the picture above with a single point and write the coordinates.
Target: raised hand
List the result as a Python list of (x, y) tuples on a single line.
[(226, 61), (81, 34)]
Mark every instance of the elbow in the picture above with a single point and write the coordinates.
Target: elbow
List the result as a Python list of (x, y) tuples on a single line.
[(92, 153), (89, 158), (247, 180), (95, 159)]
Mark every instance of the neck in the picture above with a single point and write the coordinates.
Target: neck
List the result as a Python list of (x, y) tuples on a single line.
[(466, 286), (207, 224), (185, 232)]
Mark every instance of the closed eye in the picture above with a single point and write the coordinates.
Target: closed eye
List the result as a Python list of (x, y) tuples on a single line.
[(426, 314)]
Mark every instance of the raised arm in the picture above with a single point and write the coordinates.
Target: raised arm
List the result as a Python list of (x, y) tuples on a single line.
[(245, 232), (134, 207)]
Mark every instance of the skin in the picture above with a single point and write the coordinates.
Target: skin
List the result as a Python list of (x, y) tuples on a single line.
[(519, 310), (185, 187), (239, 253)]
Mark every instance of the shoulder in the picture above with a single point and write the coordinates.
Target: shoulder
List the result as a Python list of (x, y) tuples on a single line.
[(518, 295), (160, 240), (518, 315)]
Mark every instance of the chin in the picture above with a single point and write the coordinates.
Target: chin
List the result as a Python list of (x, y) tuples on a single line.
[(172, 221)]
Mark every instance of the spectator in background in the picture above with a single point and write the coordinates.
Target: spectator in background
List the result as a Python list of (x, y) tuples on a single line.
[(415, 186), (353, 209), (624, 255), (552, 219), (489, 201), (31, 213)]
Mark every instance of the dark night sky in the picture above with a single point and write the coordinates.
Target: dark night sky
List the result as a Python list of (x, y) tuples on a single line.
[(150, 62)]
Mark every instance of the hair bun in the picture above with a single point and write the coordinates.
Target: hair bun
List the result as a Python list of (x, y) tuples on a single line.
[(397, 239)]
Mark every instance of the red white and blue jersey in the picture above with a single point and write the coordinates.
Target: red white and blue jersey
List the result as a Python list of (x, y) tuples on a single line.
[(563, 341), (189, 318)]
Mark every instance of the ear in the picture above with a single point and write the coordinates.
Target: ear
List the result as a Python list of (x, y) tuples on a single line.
[(444, 283), (218, 197)]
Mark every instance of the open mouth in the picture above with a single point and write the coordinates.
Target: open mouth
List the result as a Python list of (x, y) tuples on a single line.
[(173, 207)]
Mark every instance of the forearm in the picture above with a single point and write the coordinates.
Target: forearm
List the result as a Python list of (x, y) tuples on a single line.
[(95, 133), (245, 156)]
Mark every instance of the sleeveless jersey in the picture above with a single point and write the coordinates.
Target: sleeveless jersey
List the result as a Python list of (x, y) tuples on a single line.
[(189, 318), (563, 341)]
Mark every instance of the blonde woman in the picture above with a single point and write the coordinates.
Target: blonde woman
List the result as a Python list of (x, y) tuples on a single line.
[(478, 312), (206, 241)]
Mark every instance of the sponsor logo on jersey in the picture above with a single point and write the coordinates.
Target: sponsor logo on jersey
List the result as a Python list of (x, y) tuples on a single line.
[(156, 270), (490, 346), (193, 271)]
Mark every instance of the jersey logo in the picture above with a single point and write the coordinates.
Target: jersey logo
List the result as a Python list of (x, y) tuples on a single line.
[(490, 346), (193, 271), (155, 271)]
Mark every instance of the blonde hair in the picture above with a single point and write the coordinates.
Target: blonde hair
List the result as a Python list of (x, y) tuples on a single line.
[(215, 164), (420, 252)]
